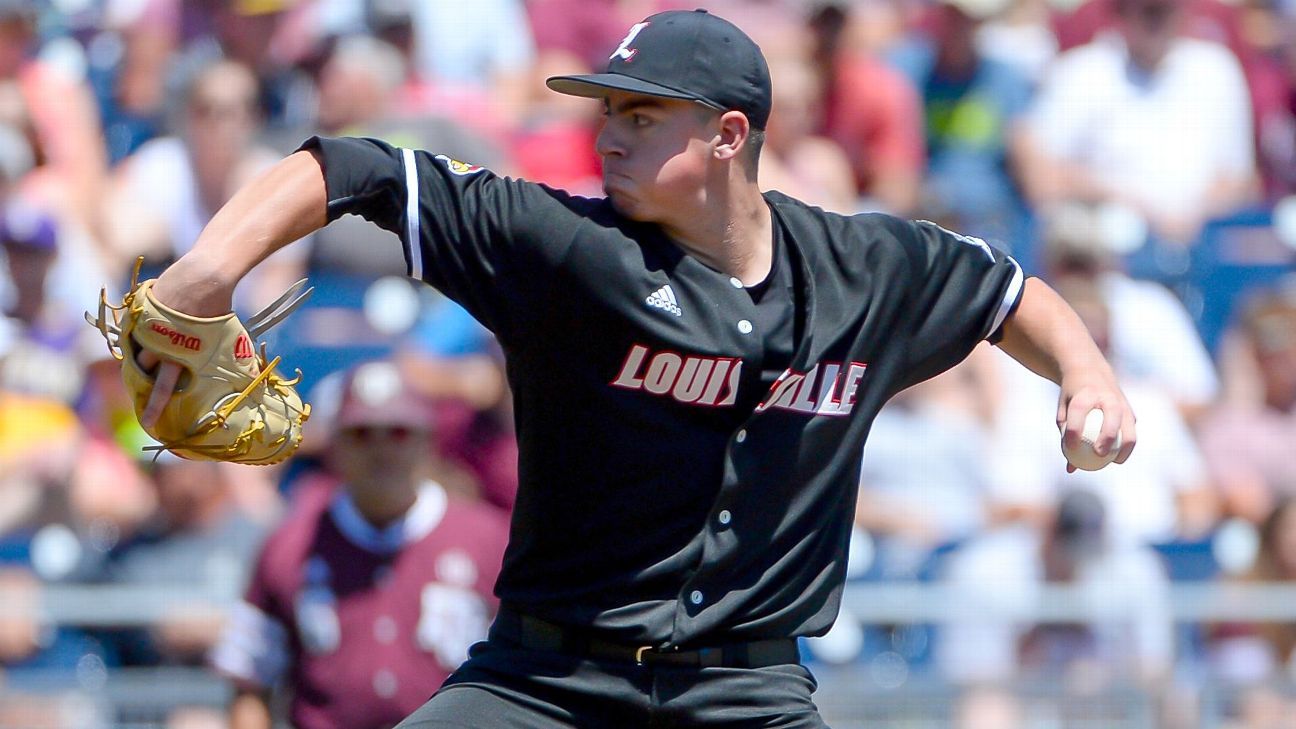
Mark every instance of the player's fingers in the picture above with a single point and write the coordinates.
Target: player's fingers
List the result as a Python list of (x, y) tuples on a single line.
[(1129, 436), (1113, 415), (147, 360), (1077, 408), (168, 374)]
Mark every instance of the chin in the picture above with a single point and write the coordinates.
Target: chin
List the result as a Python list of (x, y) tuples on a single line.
[(626, 207)]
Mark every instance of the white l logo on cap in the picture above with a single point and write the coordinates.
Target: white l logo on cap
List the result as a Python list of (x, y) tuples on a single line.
[(624, 51)]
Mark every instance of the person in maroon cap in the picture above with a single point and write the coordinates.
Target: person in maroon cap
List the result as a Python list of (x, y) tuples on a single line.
[(362, 603)]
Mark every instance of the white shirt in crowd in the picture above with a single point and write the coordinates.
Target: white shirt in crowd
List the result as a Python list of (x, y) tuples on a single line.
[(1162, 139)]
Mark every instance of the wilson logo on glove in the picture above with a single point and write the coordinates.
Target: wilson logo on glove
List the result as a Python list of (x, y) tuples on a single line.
[(178, 339), (232, 405)]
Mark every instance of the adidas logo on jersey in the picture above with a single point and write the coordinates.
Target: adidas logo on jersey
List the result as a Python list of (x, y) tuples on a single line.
[(664, 298)]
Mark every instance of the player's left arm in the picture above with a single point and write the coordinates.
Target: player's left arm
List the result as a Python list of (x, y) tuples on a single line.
[(1046, 335)]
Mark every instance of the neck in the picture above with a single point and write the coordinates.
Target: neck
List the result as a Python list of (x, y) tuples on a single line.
[(731, 231), (383, 504)]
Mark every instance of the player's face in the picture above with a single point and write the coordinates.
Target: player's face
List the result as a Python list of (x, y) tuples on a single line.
[(656, 154)]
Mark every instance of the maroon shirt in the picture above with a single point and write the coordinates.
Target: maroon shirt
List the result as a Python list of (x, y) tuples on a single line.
[(365, 625)]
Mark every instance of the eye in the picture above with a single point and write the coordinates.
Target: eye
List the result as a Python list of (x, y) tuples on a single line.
[(640, 120)]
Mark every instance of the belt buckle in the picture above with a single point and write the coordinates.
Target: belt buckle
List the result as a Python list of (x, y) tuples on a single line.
[(639, 653)]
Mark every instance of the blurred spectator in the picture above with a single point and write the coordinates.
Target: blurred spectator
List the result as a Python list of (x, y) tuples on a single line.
[(553, 142), (43, 356), (794, 159), (870, 110), (1248, 445), (453, 360), (358, 87), (1146, 118), (1249, 653), (586, 29), (271, 37), (1162, 495), (470, 61), (372, 589), (129, 60), (28, 641), (910, 512), (199, 543), (56, 112), (1264, 706), (970, 103), (1253, 31), (1021, 36), (1152, 337), (164, 194), (1124, 587)]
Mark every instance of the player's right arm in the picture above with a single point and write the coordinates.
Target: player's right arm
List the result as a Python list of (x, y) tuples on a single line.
[(483, 240), (284, 204)]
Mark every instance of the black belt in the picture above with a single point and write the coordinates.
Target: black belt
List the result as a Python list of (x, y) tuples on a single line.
[(537, 634)]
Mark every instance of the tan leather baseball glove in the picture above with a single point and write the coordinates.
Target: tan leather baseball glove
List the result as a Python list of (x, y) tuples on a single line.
[(230, 404)]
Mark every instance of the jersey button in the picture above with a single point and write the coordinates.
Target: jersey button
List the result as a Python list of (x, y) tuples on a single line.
[(696, 597), (735, 282), (741, 435), (744, 326), (725, 517)]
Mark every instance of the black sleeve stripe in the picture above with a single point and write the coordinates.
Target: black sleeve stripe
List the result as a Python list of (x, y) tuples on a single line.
[(413, 248), (1011, 296)]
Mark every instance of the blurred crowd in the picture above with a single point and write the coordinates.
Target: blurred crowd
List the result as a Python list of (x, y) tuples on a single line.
[(1140, 155)]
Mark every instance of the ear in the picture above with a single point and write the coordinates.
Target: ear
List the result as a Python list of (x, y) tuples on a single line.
[(734, 132)]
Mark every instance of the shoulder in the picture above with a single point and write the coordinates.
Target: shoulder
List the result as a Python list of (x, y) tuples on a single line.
[(159, 153), (1196, 58), (480, 520), (812, 227), (1204, 50), (1103, 55)]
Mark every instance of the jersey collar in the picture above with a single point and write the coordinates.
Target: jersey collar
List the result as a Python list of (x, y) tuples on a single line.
[(424, 516)]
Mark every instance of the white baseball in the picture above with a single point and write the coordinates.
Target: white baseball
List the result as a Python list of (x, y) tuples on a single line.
[(1083, 456)]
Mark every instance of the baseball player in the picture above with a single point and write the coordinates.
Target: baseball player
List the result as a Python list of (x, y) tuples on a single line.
[(695, 366)]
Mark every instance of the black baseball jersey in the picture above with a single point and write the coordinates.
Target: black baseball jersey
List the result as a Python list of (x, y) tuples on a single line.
[(667, 494)]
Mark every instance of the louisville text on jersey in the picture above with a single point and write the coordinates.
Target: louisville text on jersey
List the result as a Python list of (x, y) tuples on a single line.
[(692, 379), (829, 388)]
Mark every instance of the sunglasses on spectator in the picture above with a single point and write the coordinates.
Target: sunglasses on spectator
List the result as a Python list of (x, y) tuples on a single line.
[(208, 109), (1152, 13), (379, 433)]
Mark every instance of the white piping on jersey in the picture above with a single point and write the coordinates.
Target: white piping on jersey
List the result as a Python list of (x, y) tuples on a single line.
[(418, 522), (1010, 296), (412, 214)]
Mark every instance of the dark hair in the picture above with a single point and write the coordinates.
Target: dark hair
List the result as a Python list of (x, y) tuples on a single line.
[(755, 142)]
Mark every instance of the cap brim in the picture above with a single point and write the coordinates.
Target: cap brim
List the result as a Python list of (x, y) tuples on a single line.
[(596, 86)]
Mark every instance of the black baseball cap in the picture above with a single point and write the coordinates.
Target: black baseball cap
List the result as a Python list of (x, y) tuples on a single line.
[(683, 54)]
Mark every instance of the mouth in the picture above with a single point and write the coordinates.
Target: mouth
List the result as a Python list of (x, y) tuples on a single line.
[(615, 182)]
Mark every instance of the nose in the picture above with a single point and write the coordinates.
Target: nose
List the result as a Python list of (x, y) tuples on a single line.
[(606, 144)]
